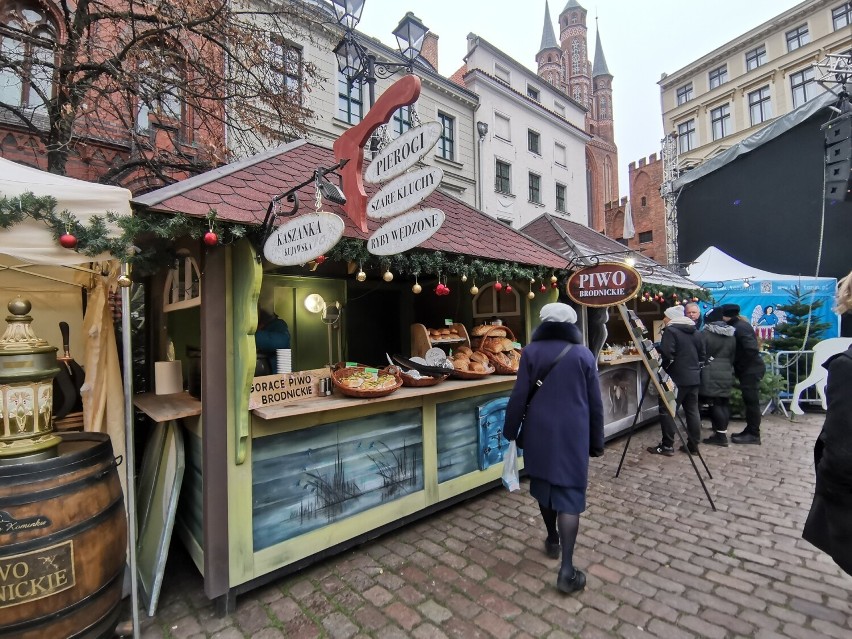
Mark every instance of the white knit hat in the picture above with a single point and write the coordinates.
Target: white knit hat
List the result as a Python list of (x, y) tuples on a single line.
[(558, 312), (674, 312)]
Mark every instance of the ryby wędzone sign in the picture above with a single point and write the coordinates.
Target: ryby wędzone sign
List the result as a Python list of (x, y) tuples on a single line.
[(405, 231), (303, 238), (604, 284)]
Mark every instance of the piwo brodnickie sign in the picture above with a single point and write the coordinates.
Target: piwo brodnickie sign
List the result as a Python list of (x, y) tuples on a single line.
[(604, 284)]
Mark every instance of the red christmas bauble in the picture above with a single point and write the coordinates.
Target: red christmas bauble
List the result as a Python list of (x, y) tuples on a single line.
[(68, 241), (439, 290), (498, 286), (320, 259), (543, 288), (508, 288), (446, 290), (554, 284), (211, 239)]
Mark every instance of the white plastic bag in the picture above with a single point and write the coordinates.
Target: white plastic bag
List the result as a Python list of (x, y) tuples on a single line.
[(511, 480)]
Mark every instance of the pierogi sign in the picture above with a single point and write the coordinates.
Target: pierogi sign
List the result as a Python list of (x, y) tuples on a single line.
[(405, 231), (303, 238), (403, 153), (605, 284), (408, 190)]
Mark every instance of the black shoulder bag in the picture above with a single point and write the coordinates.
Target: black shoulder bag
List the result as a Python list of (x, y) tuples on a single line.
[(519, 440)]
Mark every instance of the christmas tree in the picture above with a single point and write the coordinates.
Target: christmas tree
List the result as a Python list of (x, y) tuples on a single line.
[(790, 336)]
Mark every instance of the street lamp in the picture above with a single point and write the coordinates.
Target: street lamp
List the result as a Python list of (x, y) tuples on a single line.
[(359, 65)]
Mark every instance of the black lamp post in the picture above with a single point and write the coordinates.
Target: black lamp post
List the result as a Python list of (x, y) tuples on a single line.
[(359, 65)]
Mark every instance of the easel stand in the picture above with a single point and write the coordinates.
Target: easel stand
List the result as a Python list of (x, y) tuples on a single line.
[(636, 330)]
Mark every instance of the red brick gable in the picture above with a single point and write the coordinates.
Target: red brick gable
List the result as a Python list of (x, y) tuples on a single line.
[(241, 193)]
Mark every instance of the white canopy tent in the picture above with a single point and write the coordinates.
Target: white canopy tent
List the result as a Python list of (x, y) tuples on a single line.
[(34, 266)]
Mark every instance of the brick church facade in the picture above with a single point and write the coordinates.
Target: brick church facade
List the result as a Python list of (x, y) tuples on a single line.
[(565, 65)]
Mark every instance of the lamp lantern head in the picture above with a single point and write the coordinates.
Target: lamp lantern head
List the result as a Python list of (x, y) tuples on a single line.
[(348, 12), (349, 60), (410, 33)]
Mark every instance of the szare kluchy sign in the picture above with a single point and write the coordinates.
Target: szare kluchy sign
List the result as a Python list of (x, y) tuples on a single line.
[(408, 190)]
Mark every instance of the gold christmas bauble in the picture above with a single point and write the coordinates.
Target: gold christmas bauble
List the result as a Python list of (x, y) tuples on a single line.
[(464, 277), (531, 295), (388, 276), (361, 276), (474, 290), (416, 289), (553, 279), (123, 281)]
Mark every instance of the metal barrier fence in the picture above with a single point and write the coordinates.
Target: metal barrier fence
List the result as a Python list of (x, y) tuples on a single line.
[(793, 367)]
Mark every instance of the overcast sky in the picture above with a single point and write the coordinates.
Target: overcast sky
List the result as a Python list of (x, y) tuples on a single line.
[(641, 40)]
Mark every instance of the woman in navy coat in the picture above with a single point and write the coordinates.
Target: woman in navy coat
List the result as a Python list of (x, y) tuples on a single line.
[(562, 427)]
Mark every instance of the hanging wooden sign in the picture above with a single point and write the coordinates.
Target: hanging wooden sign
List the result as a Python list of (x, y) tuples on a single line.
[(405, 231), (406, 191), (303, 238), (604, 284), (404, 152)]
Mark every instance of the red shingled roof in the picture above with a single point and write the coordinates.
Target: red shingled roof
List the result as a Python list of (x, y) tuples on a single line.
[(241, 193)]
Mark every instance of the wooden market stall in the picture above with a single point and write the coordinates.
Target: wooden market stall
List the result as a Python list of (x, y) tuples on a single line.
[(268, 489), (623, 376)]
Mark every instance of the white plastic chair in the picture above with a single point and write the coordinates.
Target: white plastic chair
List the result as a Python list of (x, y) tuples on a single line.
[(819, 375)]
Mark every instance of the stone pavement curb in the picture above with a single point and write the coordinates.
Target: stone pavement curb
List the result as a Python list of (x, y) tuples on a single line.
[(659, 561)]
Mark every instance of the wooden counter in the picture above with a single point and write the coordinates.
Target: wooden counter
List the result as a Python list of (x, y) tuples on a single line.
[(625, 359)]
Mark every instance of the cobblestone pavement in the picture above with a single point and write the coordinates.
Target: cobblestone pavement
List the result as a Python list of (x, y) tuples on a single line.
[(660, 562)]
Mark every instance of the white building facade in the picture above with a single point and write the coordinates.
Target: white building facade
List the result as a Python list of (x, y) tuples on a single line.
[(531, 140)]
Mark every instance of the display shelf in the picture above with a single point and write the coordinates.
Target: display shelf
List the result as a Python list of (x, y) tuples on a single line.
[(421, 342)]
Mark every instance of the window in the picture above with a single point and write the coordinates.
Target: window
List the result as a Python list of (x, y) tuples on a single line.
[(803, 86), (560, 155), (27, 78), (502, 74), (503, 177), (644, 201), (686, 136), (446, 143), (759, 106), (535, 188), (160, 76), (842, 15), (533, 93), (718, 76), (797, 37), (534, 141), (646, 237), (560, 197), (401, 121), (287, 64), (350, 100), (756, 57), (684, 94), (720, 121), (501, 127)]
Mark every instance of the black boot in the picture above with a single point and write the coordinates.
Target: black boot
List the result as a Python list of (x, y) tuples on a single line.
[(717, 439), (746, 437), (575, 583)]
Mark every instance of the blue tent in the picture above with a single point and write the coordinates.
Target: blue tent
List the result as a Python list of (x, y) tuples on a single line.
[(759, 293)]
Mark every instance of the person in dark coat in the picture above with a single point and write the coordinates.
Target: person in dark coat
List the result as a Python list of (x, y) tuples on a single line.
[(829, 523), (717, 375), (682, 353), (562, 427), (749, 369)]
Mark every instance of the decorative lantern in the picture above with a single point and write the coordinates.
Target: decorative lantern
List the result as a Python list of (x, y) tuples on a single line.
[(27, 368)]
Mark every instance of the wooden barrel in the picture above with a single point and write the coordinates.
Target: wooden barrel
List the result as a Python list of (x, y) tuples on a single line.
[(63, 538)]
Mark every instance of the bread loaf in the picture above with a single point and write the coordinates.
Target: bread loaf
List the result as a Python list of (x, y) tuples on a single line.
[(461, 364), (508, 345), (482, 358), (464, 349), (476, 367), (479, 331)]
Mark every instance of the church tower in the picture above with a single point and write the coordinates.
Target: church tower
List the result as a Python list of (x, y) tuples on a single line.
[(549, 56), (590, 85)]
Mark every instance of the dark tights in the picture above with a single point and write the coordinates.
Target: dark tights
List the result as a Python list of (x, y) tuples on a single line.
[(569, 525)]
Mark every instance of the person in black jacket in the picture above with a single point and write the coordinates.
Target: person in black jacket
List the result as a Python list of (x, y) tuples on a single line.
[(717, 376), (682, 351), (829, 523), (562, 428), (749, 369)]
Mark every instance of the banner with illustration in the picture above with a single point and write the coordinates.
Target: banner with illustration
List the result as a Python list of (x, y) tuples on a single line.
[(759, 301)]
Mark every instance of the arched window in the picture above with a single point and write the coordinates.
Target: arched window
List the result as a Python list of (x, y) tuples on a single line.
[(161, 77), (490, 302), (26, 55), (608, 194), (644, 201)]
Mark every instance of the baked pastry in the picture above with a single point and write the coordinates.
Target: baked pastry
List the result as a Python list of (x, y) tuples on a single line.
[(492, 344), (508, 345), (482, 358), (479, 331), (461, 364), (464, 350), (476, 367)]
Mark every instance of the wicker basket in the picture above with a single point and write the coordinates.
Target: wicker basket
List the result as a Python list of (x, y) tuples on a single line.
[(341, 371), (500, 366), (471, 374), (408, 380)]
